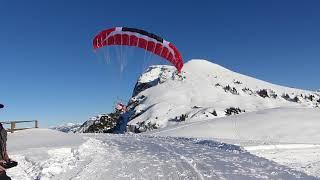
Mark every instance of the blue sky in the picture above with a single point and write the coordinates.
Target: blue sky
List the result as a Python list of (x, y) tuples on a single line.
[(49, 71)]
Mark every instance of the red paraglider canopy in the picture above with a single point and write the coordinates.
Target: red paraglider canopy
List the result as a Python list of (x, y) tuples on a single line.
[(142, 39)]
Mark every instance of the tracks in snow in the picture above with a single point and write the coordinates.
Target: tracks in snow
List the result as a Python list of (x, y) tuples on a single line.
[(302, 157), (106, 156)]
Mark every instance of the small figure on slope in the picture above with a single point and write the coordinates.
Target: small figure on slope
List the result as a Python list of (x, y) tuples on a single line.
[(120, 107)]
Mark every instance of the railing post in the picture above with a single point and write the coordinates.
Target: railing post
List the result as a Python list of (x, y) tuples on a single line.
[(13, 126), (36, 124)]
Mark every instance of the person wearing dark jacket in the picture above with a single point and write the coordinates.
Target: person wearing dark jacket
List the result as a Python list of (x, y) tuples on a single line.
[(3, 151)]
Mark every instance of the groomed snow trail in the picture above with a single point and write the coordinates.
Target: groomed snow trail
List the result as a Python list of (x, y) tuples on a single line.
[(105, 156)]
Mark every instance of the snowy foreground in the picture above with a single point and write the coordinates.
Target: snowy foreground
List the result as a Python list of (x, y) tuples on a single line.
[(288, 136), (278, 143), (48, 154)]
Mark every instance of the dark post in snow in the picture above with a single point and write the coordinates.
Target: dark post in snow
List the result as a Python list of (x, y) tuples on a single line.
[(36, 124)]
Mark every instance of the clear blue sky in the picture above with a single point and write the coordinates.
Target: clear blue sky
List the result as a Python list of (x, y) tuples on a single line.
[(49, 71)]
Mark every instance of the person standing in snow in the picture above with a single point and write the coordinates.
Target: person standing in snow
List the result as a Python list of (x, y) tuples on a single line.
[(3, 151)]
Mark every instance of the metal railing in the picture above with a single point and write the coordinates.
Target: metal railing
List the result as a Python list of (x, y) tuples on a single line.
[(14, 127)]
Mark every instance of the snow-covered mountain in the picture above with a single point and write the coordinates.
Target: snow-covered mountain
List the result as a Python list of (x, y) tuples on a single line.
[(102, 123), (67, 127), (205, 90)]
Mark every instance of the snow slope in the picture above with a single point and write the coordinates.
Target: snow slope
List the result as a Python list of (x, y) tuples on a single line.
[(278, 125), (161, 96), (289, 136), (46, 154), (35, 138)]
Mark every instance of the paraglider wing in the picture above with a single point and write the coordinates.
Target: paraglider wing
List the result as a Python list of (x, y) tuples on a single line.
[(142, 39)]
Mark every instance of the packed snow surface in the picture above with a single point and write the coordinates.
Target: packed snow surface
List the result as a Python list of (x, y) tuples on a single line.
[(104, 156), (289, 136)]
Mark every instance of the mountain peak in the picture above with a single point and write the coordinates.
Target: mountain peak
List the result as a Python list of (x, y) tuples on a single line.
[(206, 90)]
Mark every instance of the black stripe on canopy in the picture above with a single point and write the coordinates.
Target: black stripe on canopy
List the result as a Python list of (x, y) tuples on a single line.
[(158, 38)]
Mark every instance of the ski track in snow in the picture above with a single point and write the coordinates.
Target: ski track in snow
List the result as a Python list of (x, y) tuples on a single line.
[(105, 156), (188, 161)]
